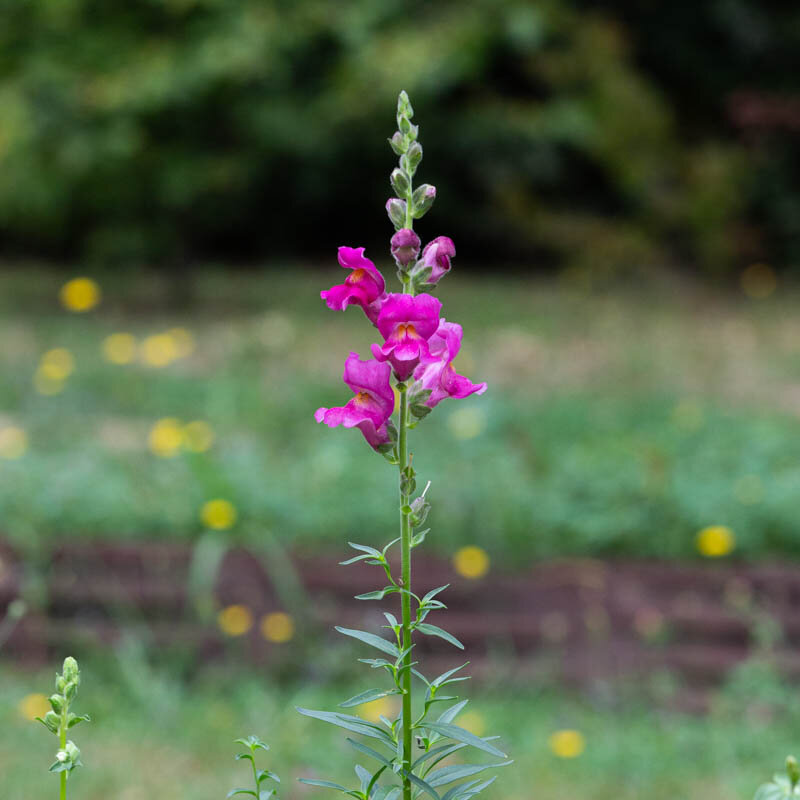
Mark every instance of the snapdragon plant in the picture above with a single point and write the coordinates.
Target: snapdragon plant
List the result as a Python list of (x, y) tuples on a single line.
[(61, 719), (404, 753), (253, 745)]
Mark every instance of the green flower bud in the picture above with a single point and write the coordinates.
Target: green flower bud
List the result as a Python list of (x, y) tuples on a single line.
[(413, 156), (422, 200), (51, 721), (72, 751), (398, 143), (401, 182), (57, 702), (62, 756), (70, 690), (793, 770), (396, 209), (405, 126), (70, 670), (404, 105), (60, 683)]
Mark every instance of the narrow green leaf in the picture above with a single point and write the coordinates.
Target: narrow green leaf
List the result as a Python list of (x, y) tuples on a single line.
[(455, 772), (433, 592), (264, 774), (461, 735), (442, 751), (367, 697), (353, 560), (370, 752), (378, 594), (391, 619), (324, 784), (452, 712), (433, 630), (354, 724), (232, 792), (376, 662), (365, 548), (440, 681), (240, 756), (371, 639), (421, 784), (365, 776), (75, 719)]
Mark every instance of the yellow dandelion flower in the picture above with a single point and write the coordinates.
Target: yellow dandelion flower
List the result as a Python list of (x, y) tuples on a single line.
[(13, 442), (383, 706), (715, 541), (567, 743), (198, 436), (166, 437), (80, 294), (235, 620), (183, 341), (119, 348), (218, 514), (46, 385), (466, 423), (759, 281), (158, 350), (57, 364), (277, 627), (473, 722), (471, 562), (32, 706)]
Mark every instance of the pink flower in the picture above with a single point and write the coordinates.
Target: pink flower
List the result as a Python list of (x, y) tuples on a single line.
[(437, 255), (364, 286), (406, 323), (405, 246), (372, 405), (436, 372)]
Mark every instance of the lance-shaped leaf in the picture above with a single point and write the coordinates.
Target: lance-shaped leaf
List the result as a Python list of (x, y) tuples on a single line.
[(461, 735), (433, 592), (367, 697), (378, 594), (371, 639), (329, 785), (76, 719), (369, 751), (455, 772), (232, 792), (468, 789), (442, 751), (452, 712), (354, 724), (426, 787), (443, 678), (433, 630)]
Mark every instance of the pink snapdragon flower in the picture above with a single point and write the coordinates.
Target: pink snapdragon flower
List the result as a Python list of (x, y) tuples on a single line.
[(364, 286), (437, 255), (405, 246), (406, 323), (372, 405), (436, 372)]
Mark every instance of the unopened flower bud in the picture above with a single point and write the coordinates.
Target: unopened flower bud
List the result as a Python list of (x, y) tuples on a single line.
[(70, 670), (51, 721), (400, 182), (398, 143), (405, 246), (419, 511), (793, 770), (72, 751), (62, 756), (70, 690), (57, 702), (422, 199), (404, 104), (414, 155), (396, 209)]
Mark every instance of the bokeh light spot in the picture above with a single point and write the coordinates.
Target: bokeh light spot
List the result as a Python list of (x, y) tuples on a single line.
[(218, 514), (383, 706), (198, 436), (183, 341), (567, 743), (277, 627), (80, 294), (166, 437), (471, 562), (715, 541), (13, 442), (235, 620), (46, 385), (473, 722), (119, 348), (758, 281), (158, 350), (57, 364), (32, 706), (466, 423)]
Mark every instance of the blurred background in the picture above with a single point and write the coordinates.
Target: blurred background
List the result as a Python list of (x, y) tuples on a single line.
[(617, 515)]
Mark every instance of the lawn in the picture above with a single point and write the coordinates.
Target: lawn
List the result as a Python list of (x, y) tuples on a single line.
[(154, 739), (616, 422)]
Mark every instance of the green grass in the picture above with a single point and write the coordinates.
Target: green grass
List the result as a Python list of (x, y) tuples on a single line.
[(615, 423), (152, 739)]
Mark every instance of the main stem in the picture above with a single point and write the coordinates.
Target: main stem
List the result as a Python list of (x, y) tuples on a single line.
[(63, 741), (405, 548)]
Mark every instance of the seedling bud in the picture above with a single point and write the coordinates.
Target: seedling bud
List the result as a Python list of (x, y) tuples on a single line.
[(422, 199), (396, 209), (400, 182), (793, 770)]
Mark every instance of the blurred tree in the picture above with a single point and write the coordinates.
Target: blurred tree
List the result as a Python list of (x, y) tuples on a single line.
[(589, 137)]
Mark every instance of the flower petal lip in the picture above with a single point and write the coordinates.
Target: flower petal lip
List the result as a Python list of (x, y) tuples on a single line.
[(372, 377), (364, 286), (354, 258), (422, 310)]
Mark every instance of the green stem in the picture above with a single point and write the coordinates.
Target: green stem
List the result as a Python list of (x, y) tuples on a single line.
[(62, 738), (405, 547)]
